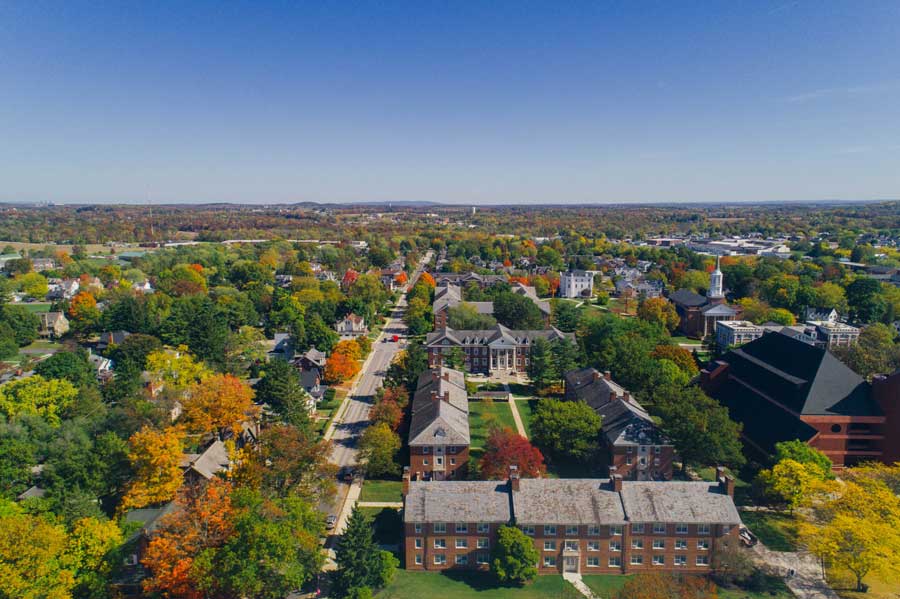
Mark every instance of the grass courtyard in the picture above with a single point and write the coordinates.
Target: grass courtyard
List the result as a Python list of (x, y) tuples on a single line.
[(606, 585), (481, 415), (468, 585), (775, 530), (380, 490)]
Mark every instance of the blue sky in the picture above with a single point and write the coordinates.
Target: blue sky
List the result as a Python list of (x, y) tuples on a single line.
[(474, 103)]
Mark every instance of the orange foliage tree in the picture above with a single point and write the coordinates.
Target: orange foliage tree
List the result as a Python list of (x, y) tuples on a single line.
[(388, 412), (219, 402), (203, 521), (83, 309), (427, 279), (401, 278), (339, 368), (349, 348), (682, 357), (156, 458)]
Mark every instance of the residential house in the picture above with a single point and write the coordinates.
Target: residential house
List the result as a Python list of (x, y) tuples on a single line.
[(463, 279), (62, 289), (108, 338), (439, 427), (53, 325), (636, 448), (42, 264), (390, 278), (312, 372), (282, 347), (489, 351), (351, 326), (103, 367), (821, 315), (781, 388), (576, 284), (581, 526)]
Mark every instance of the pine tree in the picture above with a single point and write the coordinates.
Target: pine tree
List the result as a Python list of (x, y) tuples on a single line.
[(359, 560)]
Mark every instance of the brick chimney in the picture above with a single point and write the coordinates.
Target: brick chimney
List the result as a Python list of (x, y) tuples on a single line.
[(626, 397), (613, 396), (405, 488), (446, 375), (447, 396), (726, 484), (607, 375), (434, 395), (720, 472), (514, 477), (616, 482), (595, 375)]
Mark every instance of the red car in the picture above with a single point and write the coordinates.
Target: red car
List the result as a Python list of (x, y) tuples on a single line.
[(395, 338)]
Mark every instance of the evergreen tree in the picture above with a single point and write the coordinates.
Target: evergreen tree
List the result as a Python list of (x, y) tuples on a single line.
[(280, 388), (541, 367), (360, 563)]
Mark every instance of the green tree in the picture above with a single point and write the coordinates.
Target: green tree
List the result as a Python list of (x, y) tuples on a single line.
[(517, 312), (465, 317), (418, 316), (865, 300), (875, 352), (24, 324), (360, 563), (280, 389), (456, 359), (405, 370), (566, 317), (33, 284), (541, 367), (658, 310), (567, 429), (378, 447), (73, 366), (565, 356), (8, 345), (47, 398), (514, 557), (805, 454)]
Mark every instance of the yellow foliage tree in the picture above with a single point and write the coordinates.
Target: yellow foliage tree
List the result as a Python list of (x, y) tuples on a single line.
[(156, 457), (221, 401), (175, 369), (33, 557), (791, 481)]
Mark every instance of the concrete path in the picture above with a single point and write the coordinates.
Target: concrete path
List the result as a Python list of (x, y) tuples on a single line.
[(807, 581), (391, 504), (520, 427), (576, 581)]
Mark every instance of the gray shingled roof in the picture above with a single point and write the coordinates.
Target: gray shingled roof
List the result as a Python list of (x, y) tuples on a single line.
[(495, 335), (675, 501), (443, 420), (566, 501), (686, 297), (457, 501), (588, 385), (627, 423)]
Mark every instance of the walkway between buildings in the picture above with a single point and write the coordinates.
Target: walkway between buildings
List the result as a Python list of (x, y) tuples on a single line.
[(578, 583), (520, 427)]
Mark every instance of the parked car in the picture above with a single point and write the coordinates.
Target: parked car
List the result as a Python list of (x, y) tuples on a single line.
[(748, 538), (346, 474), (330, 521)]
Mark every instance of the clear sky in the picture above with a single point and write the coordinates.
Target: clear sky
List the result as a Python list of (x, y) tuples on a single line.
[(464, 102)]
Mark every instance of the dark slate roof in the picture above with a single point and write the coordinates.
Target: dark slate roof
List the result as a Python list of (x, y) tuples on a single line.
[(686, 297), (627, 423), (493, 335), (589, 386), (806, 379), (443, 420)]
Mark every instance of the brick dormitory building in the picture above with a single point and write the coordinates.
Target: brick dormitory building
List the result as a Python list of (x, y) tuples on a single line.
[(439, 427), (604, 526)]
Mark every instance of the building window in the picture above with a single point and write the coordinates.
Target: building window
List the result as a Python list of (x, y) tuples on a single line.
[(615, 546), (681, 529), (680, 544), (462, 560), (418, 528), (440, 543), (659, 543), (703, 544), (680, 560), (637, 543), (426, 450), (629, 460), (571, 546), (549, 545), (440, 527), (702, 560), (453, 461), (481, 558), (419, 559), (425, 462), (528, 530), (549, 561), (483, 527), (462, 543), (703, 529), (593, 545), (637, 529), (615, 562), (593, 562), (657, 450), (440, 559), (453, 449), (549, 530), (726, 528), (659, 528), (462, 528), (571, 531), (418, 543), (637, 560), (594, 531), (615, 530), (659, 560)]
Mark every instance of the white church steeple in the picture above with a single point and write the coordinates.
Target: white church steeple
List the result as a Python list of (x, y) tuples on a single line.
[(715, 290)]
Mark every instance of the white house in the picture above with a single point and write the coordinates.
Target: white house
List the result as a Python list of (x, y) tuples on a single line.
[(576, 283)]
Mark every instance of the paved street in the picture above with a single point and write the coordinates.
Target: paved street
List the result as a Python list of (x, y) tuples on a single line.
[(353, 415)]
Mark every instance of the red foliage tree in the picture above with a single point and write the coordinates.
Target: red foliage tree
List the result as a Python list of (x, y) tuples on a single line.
[(428, 279), (506, 448), (388, 412)]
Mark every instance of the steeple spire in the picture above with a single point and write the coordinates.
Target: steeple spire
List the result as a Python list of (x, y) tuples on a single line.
[(715, 290)]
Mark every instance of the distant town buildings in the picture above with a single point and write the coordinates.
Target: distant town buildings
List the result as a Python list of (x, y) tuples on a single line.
[(351, 326)]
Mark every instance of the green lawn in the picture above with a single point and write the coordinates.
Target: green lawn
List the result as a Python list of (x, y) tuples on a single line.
[(606, 585), (380, 490), (775, 530), (682, 339), (470, 585), (482, 414), (36, 307)]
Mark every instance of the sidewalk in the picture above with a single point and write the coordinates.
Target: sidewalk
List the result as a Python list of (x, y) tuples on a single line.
[(807, 581), (391, 504), (576, 581), (520, 427)]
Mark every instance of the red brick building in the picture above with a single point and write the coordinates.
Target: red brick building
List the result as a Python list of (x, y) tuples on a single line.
[(783, 389), (603, 526), (491, 350), (636, 448), (439, 428)]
